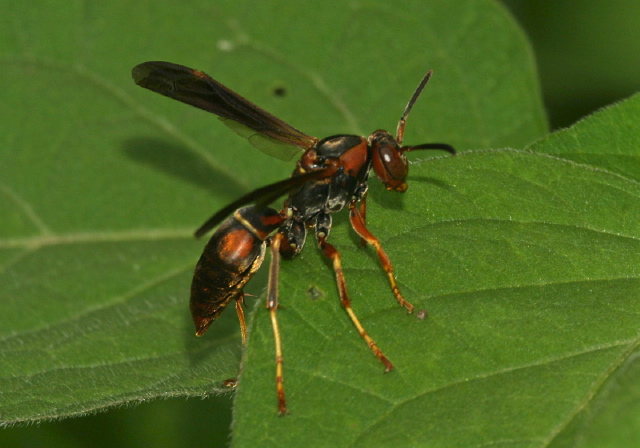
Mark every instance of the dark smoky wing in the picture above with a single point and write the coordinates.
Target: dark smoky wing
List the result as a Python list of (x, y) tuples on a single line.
[(268, 145), (262, 197), (197, 89)]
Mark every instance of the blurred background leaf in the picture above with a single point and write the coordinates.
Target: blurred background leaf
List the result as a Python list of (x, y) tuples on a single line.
[(102, 184), (588, 56)]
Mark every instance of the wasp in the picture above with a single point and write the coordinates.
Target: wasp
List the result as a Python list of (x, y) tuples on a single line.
[(331, 174)]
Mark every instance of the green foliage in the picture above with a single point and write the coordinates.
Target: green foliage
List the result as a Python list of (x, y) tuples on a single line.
[(527, 265), (526, 259)]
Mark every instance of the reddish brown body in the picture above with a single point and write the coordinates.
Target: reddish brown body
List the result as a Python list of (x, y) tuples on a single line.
[(232, 255), (331, 174)]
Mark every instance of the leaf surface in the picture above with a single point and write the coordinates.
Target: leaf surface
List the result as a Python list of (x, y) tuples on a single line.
[(102, 184)]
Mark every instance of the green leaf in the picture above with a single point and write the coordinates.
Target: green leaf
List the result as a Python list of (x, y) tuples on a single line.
[(528, 265), (102, 184), (606, 140)]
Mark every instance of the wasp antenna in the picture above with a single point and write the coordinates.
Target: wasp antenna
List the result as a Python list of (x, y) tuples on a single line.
[(412, 101)]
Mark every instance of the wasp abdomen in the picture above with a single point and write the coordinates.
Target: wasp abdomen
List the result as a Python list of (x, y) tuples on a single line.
[(229, 260)]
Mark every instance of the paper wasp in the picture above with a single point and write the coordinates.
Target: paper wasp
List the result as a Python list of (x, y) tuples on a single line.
[(331, 174)]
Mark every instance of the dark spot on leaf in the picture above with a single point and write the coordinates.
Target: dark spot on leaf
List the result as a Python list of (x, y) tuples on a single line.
[(279, 91)]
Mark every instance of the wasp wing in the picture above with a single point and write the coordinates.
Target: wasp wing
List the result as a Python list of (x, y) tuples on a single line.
[(268, 145), (263, 196), (197, 89)]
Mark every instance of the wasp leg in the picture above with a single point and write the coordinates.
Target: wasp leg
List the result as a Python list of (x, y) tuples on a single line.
[(230, 383), (272, 306), (243, 323), (363, 214), (358, 224), (332, 253)]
